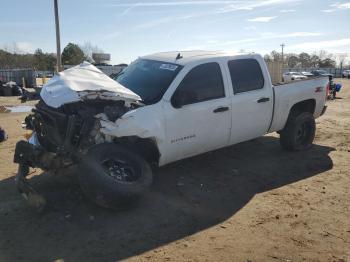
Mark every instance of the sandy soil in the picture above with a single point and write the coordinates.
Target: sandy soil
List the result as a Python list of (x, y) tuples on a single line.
[(249, 202)]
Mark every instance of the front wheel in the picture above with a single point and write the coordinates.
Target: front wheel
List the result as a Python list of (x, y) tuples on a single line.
[(299, 132), (113, 176)]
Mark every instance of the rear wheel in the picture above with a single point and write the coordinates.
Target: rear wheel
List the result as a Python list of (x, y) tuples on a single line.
[(299, 132), (113, 176)]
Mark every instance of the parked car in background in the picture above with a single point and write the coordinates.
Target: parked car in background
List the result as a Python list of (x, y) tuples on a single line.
[(307, 74), (320, 72), (346, 73), (292, 76)]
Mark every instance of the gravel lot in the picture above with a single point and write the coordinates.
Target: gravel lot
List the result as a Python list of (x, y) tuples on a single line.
[(248, 202)]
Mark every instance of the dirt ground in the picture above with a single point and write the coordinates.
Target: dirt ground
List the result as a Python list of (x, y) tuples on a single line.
[(249, 202)]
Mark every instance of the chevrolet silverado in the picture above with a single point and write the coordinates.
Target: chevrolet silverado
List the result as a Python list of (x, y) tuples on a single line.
[(160, 109)]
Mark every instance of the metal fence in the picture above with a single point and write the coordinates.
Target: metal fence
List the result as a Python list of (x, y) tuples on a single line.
[(275, 69), (107, 69), (30, 76), (17, 75), (337, 72)]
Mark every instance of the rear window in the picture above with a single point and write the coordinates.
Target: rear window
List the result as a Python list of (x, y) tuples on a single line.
[(246, 75)]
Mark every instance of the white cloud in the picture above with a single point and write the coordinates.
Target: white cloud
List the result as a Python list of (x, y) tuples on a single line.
[(128, 9), (193, 47), (24, 47), (155, 22), (230, 5), (341, 5), (330, 44), (175, 3), (109, 36), (262, 19), (337, 6), (287, 11), (165, 20), (301, 34), (18, 47), (250, 28), (269, 36), (250, 5)]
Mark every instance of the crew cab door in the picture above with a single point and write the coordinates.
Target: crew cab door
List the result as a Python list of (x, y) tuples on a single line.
[(198, 116), (252, 100)]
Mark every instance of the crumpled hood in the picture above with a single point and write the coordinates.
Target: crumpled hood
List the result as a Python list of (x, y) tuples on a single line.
[(84, 82)]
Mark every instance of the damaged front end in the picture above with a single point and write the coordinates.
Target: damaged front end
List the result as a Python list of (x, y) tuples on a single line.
[(63, 131)]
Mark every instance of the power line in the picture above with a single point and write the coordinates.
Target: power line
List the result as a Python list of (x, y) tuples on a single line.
[(283, 45)]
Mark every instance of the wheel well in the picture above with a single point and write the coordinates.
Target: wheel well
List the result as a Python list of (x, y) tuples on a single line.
[(304, 106), (146, 147), (300, 107)]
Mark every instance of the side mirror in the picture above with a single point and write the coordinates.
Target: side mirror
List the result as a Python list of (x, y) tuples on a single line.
[(178, 99)]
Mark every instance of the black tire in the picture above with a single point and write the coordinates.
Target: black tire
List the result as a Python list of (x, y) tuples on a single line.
[(113, 176), (299, 132)]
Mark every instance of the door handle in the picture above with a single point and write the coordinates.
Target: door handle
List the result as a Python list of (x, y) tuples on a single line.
[(263, 100), (221, 109)]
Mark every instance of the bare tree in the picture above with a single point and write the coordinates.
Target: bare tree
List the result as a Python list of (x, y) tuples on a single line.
[(89, 49), (276, 56), (340, 58)]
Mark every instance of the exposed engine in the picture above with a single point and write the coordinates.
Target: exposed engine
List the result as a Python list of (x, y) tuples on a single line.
[(71, 128)]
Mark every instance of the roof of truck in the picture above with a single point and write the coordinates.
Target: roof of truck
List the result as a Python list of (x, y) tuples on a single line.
[(189, 56)]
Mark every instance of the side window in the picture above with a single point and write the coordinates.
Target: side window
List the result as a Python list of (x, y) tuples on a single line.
[(246, 75), (202, 83)]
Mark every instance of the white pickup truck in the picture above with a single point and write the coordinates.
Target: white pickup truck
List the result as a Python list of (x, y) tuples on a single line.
[(161, 108)]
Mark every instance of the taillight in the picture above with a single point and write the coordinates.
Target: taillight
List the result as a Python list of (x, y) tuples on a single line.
[(327, 90)]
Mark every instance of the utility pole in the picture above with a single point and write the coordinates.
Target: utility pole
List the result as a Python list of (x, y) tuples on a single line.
[(283, 45), (58, 40)]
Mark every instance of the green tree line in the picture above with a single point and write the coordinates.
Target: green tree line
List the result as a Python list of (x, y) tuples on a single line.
[(320, 59), (72, 54)]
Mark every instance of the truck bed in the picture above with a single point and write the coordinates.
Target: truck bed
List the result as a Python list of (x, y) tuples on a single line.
[(287, 94)]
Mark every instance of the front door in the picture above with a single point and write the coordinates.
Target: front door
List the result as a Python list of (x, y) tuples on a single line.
[(198, 118)]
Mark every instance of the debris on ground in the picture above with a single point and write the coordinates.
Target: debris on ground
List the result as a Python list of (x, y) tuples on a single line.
[(3, 109), (3, 135), (16, 109), (10, 89)]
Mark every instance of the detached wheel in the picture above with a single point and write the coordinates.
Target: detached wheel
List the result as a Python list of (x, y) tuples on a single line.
[(113, 176), (299, 132)]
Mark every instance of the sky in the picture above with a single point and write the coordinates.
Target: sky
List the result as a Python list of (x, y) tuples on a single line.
[(129, 29)]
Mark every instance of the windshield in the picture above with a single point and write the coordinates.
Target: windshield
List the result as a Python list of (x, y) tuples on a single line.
[(149, 79)]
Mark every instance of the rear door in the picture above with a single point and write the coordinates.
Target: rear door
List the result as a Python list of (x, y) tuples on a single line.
[(203, 121), (252, 102)]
